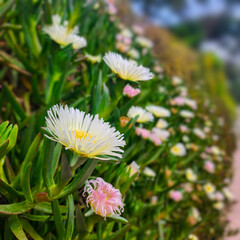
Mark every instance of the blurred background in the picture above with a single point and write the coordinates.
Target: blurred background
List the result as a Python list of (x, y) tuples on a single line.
[(208, 26), (199, 40)]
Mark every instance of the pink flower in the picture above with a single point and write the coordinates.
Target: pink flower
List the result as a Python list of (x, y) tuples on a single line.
[(119, 37), (176, 195), (144, 133), (179, 101), (138, 29), (155, 139), (209, 166), (219, 196), (112, 10), (104, 199), (130, 91), (127, 40)]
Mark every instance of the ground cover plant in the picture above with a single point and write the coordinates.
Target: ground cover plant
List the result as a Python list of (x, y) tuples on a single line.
[(96, 141)]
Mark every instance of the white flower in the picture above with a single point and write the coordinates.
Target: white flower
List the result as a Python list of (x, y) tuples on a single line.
[(144, 42), (63, 35), (178, 150), (134, 168), (161, 123), (196, 214), (215, 150), (161, 134), (92, 58), (218, 205), (82, 133), (133, 53), (125, 69), (190, 175), (149, 172), (199, 133), (176, 80), (186, 114), (192, 237), (158, 111), (126, 33), (209, 188), (228, 194), (143, 115), (185, 138), (191, 103)]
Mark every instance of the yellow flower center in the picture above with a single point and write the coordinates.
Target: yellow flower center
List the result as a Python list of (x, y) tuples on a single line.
[(82, 134), (176, 149), (209, 189)]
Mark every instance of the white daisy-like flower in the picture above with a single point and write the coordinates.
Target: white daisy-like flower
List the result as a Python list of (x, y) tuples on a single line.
[(192, 237), (161, 123), (176, 80), (93, 59), (133, 53), (149, 172), (186, 114), (199, 133), (158, 111), (127, 70), (178, 150), (218, 205), (83, 133), (161, 133), (144, 42), (62, 35), (190, 175), (143, 115), (191, 103), (228, 194), (134, 168), (209, 188)]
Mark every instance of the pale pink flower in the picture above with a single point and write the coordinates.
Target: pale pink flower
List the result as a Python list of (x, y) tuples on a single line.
[(176, 195), (184, 128), (119, 37), (209, 166), (104, 199), (138, 29), (219, 196), (112, 10), (130, 91), (155, 139), (179, 101), (127, 40), (144, 133)]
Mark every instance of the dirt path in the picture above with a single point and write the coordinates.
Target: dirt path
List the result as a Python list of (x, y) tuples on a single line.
[(234, 215)]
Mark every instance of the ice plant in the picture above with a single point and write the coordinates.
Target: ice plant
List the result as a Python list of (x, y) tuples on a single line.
[(93, 59), (83, 133), (144, 42), (158, 111), (143, 115), (209, 166), (161, 123), (127, 70), (62, 35), (175, 195), (161, 134), (134, 168), (209, 188), (104, 199), (144, 133), (186, 114), (130, 91), (178, 150), (190, 175)]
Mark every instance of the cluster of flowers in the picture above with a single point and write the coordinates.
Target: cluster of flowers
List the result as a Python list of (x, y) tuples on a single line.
[(91, 137)]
